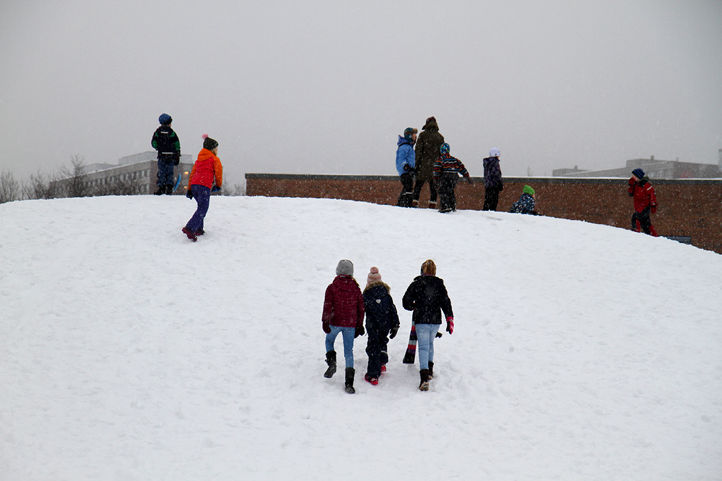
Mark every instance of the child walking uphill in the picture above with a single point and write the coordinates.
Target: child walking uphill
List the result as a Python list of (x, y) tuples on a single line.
[(206, 177), (381, 320), (343, 313), (427, 297)]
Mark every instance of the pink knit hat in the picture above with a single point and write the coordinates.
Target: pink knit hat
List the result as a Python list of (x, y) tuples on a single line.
[(374, 276)]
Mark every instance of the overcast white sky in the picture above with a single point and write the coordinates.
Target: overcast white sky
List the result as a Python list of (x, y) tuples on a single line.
[(326, 86)]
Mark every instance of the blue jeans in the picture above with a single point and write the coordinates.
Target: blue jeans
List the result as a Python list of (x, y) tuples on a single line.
[(426, 333), (202, 195), (348, 334)]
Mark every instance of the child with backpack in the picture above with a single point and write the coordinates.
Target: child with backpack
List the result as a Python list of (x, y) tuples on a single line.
[(343, 313), (206, 177), (166, 142), (382, 320)]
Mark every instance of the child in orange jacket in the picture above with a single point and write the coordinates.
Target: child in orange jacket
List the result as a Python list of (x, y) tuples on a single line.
[(206, 170)]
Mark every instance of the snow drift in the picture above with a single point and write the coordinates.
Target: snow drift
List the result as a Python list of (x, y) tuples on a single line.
[(127, 352)]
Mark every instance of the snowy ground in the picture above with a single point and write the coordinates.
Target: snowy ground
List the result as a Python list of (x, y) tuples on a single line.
[(581, 352)]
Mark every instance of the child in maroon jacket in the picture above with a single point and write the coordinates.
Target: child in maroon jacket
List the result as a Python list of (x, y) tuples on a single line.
[(343, 313), (645, 202)]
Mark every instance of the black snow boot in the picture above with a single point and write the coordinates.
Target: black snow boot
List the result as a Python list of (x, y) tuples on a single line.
[(331, 361), (350, 373), (424, 385), (431, 370), (169, 190), (160, 191)]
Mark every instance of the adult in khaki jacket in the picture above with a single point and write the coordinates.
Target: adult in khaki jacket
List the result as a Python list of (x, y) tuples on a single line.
[(427, 151)]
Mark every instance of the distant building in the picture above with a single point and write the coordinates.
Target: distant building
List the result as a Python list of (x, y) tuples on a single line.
[(655, 169), (139, 170)]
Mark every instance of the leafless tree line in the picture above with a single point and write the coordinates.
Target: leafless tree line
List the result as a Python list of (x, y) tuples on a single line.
[(68, 182), (73, 181)]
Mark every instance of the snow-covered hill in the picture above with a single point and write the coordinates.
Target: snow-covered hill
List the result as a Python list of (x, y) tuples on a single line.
[(581, 351)]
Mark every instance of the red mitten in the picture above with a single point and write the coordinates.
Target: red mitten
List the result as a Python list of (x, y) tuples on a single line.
[(450, 325)]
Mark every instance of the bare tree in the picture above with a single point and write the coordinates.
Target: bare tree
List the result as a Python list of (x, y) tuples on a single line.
[(41, 187), (119, 187), (9, 188), (75, 182)]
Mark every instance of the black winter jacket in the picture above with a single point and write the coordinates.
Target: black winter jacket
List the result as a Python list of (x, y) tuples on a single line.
[(427, 297), (380, 310)]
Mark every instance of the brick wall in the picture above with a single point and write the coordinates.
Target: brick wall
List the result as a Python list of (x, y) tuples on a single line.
[(686, 207)]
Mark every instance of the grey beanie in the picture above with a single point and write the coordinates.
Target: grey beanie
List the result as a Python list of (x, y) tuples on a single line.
[(344, 268)]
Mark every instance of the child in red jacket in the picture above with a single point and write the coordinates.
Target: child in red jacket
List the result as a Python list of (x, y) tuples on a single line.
[(206, 177), (343, 313), (645, 202)]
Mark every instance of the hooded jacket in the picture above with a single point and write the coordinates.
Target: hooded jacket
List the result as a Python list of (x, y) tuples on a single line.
[(207, 168), (380, 310), (405, 155), (427, 297), (343, 304), (643, 194), (492, 173), (427, 149)]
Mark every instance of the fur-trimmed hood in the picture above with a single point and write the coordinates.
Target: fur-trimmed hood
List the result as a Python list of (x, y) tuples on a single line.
[(376, 284)]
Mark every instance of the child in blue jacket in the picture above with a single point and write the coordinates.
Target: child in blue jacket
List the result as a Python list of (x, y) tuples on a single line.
[(406, 165)]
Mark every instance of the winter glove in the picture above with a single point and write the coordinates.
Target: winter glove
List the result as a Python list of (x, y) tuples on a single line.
[(394, 331), (438, 334), (359, 331), (407, 167), (654, 209), (450, 325), (468, 179), (632, 181), (189, 194), (326, 327), (215, 189)]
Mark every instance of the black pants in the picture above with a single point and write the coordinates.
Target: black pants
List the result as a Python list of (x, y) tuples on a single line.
[(406, 196), (447, 196), (420, 184), (491, 198), (376, 350), (644, 220)]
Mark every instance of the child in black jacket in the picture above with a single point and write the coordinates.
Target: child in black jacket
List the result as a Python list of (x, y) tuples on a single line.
[(166, 142), (381, 320), (427, 297)]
